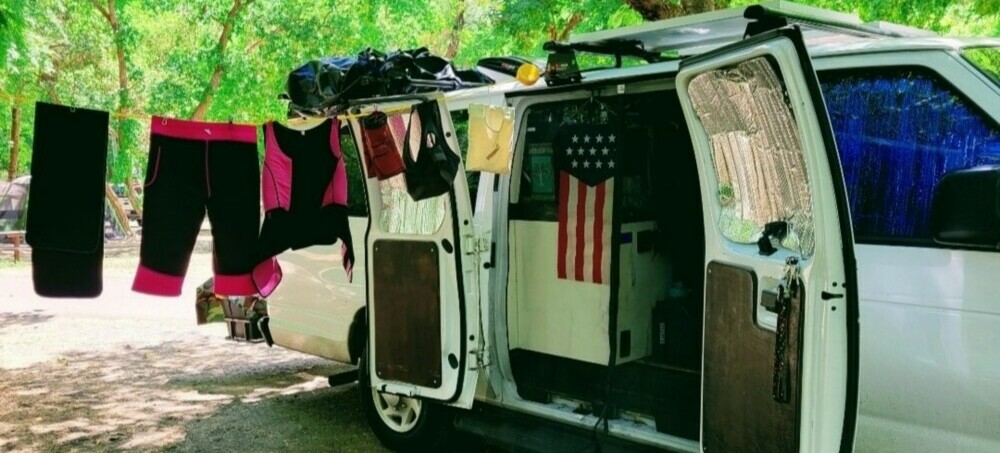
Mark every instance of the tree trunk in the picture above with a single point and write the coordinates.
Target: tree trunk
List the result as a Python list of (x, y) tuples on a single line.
[(665, 9), (124, 98), (119, 209), (555, 34), (701, 6), (455, 38), (134, 198), (654, 9), (220, 57), (15, 140)]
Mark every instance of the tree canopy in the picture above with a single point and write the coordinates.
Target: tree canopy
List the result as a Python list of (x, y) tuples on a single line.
[(228, 59)]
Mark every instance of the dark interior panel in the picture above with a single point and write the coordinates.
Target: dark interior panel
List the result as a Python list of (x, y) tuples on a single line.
[(671, 394), (739, 411), (659, 183), (407, 311)]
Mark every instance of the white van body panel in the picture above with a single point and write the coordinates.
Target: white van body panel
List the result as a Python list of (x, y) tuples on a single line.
[(930, 317), (930, 367), (314, 306)]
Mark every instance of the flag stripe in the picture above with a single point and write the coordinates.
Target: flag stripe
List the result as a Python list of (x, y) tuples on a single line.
[(581, 229), (571, 206), (609, 190), (563, 224), (598, 217), (589, 252)]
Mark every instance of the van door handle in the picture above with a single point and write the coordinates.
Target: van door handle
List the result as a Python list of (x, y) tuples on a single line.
[(769, 300), (825, 295)]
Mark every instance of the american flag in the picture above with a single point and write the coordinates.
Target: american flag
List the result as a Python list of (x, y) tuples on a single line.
[(585, 156)]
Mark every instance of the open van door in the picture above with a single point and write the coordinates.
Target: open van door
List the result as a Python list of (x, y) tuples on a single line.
[(422, 286), (781, 338)]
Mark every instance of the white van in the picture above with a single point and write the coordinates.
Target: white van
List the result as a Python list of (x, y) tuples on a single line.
[(731, 202)]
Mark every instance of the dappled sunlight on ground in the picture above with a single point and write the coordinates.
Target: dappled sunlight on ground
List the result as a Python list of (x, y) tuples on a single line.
[(140, 397), (133, 372)]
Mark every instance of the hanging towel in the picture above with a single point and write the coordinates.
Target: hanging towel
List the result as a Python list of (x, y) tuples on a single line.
[(491, 138), (431, 165), (65, 225)]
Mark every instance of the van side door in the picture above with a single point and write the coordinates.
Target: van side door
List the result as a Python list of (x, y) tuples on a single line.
[(780, 337)]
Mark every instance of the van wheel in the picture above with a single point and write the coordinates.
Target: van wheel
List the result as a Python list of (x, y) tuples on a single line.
[(402, 423)]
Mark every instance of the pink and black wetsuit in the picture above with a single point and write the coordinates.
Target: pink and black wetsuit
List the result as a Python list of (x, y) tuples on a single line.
[(304, 188)]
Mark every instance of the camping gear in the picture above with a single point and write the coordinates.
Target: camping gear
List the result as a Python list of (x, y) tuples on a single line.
[(241, 314), (382, 156), (65, 224), (194, 165), (328, 85)]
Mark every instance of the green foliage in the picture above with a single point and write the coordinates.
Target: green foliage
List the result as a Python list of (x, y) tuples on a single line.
[(11, 25), (987, 59), (64, 50)]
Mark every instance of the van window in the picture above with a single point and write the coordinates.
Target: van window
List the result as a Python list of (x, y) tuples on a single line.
[(460, 119), (357, 204), (756, 153), (400, 213), (538, 178), (639, 117), (899, 130)]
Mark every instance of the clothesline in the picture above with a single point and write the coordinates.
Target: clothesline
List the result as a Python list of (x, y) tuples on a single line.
[(23, 100), (143, 116)]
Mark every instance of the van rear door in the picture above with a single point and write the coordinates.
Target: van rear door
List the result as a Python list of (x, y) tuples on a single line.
[(422, 285), (781, 343)]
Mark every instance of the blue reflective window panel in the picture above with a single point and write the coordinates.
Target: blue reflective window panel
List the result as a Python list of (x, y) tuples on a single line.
[(899, 131)]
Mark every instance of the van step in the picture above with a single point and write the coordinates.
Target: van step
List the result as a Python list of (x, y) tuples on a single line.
[(518, 432), (343, 377)]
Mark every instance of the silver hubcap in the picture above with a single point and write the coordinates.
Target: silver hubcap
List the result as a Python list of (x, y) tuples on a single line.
[(399, 413)]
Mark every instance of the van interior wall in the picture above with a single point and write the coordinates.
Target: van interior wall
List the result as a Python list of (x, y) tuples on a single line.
[(557, 332)]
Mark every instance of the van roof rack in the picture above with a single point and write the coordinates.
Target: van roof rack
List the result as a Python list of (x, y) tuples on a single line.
[(692, 34), (617, 48)]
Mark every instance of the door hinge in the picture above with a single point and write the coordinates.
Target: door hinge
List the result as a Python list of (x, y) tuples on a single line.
[(480, 359), (472, 245)]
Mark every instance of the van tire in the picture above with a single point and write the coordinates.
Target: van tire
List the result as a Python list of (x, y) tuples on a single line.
[(429, 431)]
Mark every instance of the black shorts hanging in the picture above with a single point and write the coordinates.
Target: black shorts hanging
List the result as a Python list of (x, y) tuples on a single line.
[(65, 225), (432, 171)]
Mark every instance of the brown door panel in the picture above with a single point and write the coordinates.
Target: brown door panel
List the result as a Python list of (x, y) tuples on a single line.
[(407, 306), (739, 413)]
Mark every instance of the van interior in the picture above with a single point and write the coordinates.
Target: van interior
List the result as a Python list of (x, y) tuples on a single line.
[(559, 345)]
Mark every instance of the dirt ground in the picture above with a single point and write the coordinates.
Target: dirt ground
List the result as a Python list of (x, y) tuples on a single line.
[(134, 373)]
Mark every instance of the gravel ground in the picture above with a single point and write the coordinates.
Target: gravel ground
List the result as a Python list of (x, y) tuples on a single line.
[(132, 372)]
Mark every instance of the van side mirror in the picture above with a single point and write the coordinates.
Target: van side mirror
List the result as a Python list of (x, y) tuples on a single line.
[(966, 208)]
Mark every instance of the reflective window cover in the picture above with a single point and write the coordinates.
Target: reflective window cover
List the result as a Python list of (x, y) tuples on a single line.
[(756, 152), (898, 132)]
